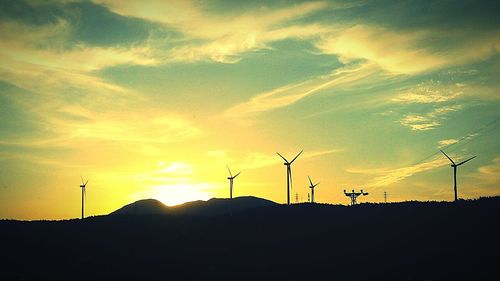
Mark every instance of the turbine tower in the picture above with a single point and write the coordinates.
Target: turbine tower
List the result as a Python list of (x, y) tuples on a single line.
[(354, 195), (231, 178), (83, 186), (289, 175), (312, 186), (454, 166)]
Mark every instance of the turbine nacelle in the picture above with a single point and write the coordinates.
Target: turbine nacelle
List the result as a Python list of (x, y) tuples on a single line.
[(311, 185), (231, 178), (453, 164), (84, 184), (231, 175), (288, 163)]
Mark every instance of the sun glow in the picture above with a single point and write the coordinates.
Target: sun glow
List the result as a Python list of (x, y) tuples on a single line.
[(176, 194), (174, 94)]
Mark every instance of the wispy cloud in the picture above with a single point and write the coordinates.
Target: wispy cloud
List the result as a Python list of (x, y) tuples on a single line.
[(257, 160), (385, 177), (314, 154), (404, 51), (418, 122), (50, 161), (46, 46), (489, 174), (429, 92), (447, 142), (59, 89), (428, 121), (216, 39), (290, 94), (176, 168), (391, 50), (53, 72), (120, 127), (166, 173), (146, 128)]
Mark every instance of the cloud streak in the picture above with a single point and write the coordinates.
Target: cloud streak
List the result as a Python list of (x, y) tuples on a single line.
[(429, 93), (428, 121), (386, 177), (290, 94), (489, 174), (447, 142), (216, 39), (257, 160), (403, 52)]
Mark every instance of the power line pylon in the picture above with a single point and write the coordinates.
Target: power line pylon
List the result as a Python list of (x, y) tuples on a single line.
[(354, 195)]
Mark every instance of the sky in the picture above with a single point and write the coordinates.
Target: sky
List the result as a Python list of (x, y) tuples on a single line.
[(152, 99)]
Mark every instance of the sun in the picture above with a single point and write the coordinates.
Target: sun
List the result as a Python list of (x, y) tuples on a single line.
[(176, 194)]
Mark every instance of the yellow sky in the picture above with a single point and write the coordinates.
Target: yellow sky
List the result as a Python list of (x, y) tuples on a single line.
[(153, 101)]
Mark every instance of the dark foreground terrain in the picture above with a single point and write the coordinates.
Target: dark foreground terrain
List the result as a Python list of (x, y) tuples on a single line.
[(403, 241)]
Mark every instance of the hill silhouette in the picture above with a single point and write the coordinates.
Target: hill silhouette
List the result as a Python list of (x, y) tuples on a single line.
[(212, 207), (398, 241), (143, 207)]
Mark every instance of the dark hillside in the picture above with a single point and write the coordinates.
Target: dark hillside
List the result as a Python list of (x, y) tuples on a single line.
[(403, 241), (212, 207), (143, 207)]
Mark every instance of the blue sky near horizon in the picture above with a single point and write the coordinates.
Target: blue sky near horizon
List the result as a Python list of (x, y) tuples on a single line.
[(152, 99)]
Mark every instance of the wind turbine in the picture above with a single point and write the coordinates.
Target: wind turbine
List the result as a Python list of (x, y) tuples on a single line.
[(289, 175), (231, 178), (83, 186), (312, 186), (454, 166)]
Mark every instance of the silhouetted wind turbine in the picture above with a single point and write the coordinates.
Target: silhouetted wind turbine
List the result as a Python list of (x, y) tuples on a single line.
[(83, 186), (231, 178), (289, 175), (312, 186), (454, 166)]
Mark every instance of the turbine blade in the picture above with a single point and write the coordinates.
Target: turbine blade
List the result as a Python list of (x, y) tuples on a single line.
[(236, 175), (448, 157), (231, 175), (316, 184), (282, 157), (82, 179), (463, 162), (310, 180), (86, 182), (296, 156)]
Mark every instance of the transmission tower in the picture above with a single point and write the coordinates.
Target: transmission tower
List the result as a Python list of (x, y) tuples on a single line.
[(385, 196), (354, 195)]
